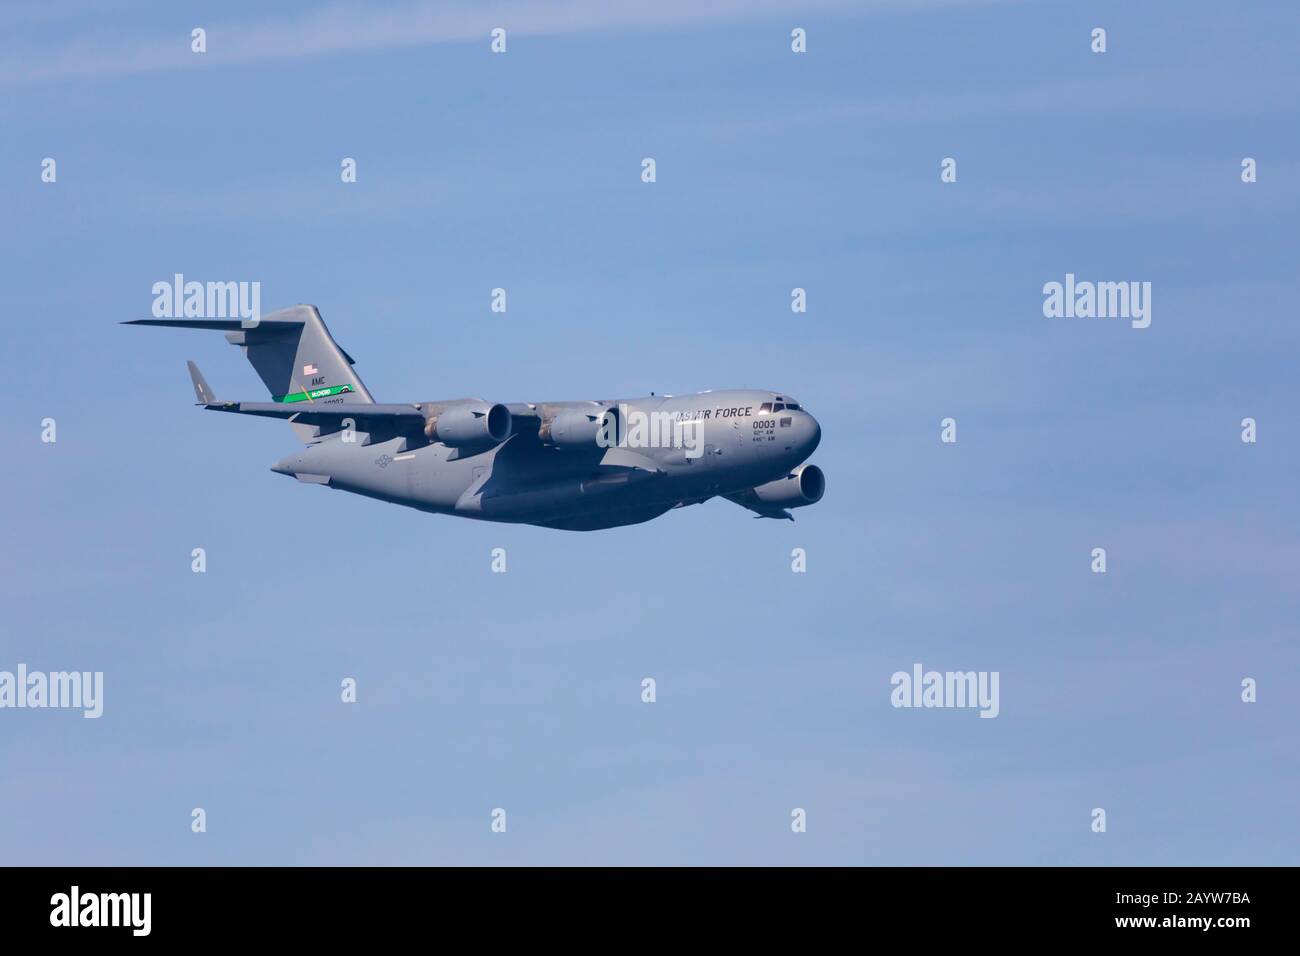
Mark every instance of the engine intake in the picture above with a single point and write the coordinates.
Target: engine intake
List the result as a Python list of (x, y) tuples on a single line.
[(474, 423)]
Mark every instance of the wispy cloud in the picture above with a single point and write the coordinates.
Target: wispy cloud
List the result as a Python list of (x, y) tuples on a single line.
[(360, 28)]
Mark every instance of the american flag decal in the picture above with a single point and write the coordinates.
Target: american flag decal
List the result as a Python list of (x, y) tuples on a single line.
[(309, 370)]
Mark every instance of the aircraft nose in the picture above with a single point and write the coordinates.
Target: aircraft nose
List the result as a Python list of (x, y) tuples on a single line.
[(812, 436)]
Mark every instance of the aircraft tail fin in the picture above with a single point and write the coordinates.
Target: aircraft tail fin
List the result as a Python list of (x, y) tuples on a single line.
[(292, 352)]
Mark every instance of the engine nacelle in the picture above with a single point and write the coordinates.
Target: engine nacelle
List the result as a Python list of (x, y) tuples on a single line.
[(474, 423), (803, 486), (573, 428)]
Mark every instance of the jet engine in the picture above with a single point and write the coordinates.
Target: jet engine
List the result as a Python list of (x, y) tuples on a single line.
[(803, 486), (473, 423), (573, 427)]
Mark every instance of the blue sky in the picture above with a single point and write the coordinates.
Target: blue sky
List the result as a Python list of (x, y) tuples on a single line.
[(775, 170)]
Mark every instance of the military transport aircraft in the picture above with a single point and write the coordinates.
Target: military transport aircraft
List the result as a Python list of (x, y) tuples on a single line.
[(577, 465)]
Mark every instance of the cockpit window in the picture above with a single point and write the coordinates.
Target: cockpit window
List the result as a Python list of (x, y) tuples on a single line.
[(778, 407), (765, 408), (791, 406)]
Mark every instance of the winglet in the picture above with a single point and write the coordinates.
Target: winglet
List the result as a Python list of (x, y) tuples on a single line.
[(201, 390)]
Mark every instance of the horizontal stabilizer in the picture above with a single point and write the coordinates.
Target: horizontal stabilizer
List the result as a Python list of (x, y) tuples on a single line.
[(216, 325)]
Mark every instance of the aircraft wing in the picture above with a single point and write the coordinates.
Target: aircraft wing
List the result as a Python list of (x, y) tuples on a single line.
[(747, 499), (366, 416), (627, 460)]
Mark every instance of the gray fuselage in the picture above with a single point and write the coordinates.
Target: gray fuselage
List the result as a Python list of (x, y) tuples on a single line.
[(731, 444)]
